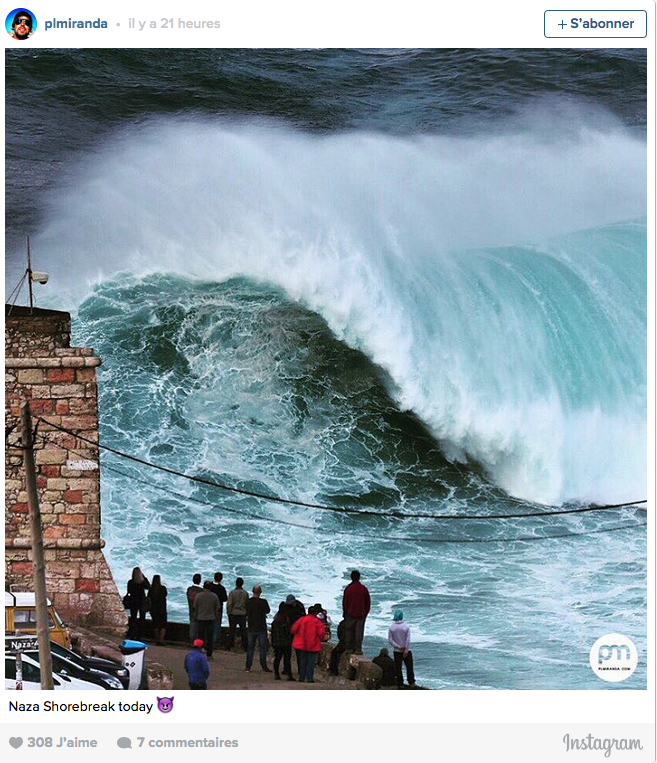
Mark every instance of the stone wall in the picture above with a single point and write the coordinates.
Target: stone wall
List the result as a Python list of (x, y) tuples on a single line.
[(59, 382)]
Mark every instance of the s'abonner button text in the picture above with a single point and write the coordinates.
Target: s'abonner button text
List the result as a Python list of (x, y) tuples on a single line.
[(588, 23)]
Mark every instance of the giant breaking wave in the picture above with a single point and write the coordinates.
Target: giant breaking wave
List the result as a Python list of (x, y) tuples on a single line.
[(498, 281)]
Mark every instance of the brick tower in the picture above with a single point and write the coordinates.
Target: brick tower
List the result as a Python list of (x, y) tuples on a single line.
[(59, 381)]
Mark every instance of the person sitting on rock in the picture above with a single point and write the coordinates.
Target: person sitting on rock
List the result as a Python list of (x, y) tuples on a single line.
[(387, 665)]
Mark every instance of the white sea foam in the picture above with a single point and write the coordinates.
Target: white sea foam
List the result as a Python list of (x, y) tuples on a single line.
[(529, 360)]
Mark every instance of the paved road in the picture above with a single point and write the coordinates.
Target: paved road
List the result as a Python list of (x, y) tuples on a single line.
[(227, 672)]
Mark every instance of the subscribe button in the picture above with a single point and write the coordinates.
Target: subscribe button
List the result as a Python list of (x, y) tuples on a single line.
[(596, 23)]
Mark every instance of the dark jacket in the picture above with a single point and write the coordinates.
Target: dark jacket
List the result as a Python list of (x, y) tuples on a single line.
[(192, 592), (387, 665), (295, 611), (159, 604), (197, 667), (257, 610), (137, 593), (206, 606), (281, 635), (220, 593), (356, 600)]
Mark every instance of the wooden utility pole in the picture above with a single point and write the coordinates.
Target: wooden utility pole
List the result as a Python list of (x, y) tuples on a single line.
[(38, 562)]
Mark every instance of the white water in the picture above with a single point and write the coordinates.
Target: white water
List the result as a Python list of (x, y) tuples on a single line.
[(531, 359)]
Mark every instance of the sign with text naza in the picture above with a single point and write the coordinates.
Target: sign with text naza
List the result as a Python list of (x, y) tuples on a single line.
[(21, 643)]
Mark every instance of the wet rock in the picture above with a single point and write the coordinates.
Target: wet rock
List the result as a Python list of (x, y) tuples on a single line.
[(369, 674), (158, 677)]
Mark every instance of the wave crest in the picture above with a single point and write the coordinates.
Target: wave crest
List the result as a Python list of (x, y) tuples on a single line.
[(527, 357)]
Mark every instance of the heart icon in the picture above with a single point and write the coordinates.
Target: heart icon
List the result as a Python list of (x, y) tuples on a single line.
[(15, 742)]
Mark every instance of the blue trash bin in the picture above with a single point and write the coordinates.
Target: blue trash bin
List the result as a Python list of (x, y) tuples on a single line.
[(134, 659)]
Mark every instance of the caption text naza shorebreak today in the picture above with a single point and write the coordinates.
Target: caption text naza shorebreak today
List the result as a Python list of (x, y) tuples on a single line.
[(81, 707)]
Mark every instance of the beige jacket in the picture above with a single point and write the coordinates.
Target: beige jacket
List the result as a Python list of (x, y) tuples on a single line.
[(237, 599)]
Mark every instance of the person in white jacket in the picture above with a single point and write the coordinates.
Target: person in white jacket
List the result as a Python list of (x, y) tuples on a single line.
[(399, 638)]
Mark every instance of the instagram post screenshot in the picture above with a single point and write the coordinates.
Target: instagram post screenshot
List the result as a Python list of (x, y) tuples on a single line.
[(329, 381)]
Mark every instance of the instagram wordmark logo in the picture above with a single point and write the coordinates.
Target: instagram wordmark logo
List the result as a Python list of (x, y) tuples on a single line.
[(613, 657)]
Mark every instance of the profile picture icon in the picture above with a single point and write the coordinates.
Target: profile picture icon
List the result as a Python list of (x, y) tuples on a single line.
[(20, 24)]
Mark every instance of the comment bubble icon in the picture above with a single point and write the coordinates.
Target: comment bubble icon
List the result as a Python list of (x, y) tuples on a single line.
[(124, 743)]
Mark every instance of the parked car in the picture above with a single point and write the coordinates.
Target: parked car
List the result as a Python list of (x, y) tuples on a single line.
[(20, 618), (32, 677), (115, 669), (67, 668)]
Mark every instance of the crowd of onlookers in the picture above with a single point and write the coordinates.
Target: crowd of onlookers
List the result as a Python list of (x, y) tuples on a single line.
[(292, 628)]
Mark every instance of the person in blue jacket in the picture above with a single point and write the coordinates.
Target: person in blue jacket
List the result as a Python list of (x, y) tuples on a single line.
[(197, 666)]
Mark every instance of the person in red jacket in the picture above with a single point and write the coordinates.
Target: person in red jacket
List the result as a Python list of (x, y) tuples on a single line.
[(355, 607), (308, 632)]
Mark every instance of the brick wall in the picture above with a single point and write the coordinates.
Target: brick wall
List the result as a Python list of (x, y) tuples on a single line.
[(59, 382)]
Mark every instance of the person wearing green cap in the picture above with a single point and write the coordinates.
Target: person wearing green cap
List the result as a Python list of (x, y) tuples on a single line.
[(399, 638)]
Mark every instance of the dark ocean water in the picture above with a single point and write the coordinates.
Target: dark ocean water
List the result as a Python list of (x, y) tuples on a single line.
[(406, 280), (77, 97)]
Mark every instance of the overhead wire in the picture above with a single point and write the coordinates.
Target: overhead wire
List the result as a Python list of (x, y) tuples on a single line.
[(346, 534), (378, 537)]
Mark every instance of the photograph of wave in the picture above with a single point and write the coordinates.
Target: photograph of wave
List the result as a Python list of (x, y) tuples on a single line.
[(398, 281)]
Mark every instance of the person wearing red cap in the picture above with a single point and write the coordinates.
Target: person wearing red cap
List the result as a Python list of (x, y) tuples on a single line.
[(197, 666)]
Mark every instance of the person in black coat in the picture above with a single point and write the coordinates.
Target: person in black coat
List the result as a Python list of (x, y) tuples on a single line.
[(220, 592), (295, 608), (158, 597), (138, 585), (281, 641)]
